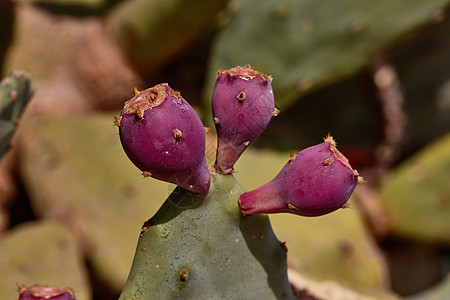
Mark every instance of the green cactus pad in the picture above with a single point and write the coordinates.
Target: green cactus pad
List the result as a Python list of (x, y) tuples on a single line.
[(15, 92), (341, 249), (417, 194), (201, 247), (308, 44), (42, 253)]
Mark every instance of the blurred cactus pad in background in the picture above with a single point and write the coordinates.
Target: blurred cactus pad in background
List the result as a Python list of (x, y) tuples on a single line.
[(15, 92), (374, 74)]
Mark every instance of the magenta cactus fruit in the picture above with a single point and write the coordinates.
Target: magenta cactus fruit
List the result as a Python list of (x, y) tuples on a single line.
[(164, 137), (242, 106), (45, 292), (315, 181)]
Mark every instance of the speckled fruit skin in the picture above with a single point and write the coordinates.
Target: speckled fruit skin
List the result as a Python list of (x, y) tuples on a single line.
[(166, 141), (43, 292), (242, 106), (315, 181)]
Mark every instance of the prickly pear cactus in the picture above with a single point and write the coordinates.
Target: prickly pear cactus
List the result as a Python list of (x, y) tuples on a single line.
[(214, 242), (15, 92)]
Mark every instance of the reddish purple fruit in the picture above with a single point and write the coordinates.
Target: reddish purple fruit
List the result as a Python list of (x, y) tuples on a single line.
[(242, 106), (45, 292), (315, 181), (164, 137)]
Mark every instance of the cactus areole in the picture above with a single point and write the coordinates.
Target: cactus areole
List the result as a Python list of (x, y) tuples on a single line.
[(314, 182), (164, 137), (242, 106)]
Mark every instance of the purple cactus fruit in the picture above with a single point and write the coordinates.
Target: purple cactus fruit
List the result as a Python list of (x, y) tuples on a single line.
[(242, 106), (315, 181), (164, 137), (45, 292)]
